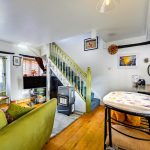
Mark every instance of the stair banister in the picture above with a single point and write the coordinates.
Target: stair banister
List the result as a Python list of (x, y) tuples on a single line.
[(71, 60), (57, 55)]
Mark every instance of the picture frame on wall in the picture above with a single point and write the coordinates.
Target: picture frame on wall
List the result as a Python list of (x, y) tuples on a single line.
[(127, 61), (16, 61), (91, 44)]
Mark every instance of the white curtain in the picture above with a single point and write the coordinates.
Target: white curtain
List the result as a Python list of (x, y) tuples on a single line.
[(2, 74)]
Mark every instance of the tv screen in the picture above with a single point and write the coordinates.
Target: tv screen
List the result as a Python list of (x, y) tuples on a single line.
[(34, 82)]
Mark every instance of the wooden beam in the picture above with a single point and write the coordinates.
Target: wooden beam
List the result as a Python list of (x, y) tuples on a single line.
[(132, 45), (27, 56), (3, 52)]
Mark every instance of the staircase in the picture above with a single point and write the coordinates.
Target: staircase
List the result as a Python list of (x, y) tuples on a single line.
[(70, 74)]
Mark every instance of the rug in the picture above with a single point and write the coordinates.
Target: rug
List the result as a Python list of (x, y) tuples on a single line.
[(62, 121)]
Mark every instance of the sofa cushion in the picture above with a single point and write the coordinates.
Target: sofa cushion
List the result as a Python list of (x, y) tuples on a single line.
[(134, 120), (118, 116), (122, 117), (17, 111), (3, 120)]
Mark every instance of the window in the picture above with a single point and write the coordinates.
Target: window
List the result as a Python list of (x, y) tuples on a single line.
[(2, 74), (30, 67)]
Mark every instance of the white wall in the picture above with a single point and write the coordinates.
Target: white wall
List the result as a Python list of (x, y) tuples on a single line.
[(15, 73), (45, 53), (106, 76), (45, 50)]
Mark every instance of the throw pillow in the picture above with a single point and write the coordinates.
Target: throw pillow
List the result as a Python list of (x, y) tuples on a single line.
[(9, 117), (17, 111), (118, 116), (134, 120), (3, 120)]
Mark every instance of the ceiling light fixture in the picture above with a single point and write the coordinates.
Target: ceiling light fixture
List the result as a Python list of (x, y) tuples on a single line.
[(22, 46), (104, 6), (107, 2)]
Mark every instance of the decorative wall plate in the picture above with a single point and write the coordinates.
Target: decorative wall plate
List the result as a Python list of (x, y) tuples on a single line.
[(112, 49)]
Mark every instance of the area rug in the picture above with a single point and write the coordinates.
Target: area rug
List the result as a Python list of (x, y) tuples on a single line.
[(62, 121)]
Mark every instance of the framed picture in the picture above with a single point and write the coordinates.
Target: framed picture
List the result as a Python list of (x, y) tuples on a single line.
[(127, 61), (90, 44), (16, 61)]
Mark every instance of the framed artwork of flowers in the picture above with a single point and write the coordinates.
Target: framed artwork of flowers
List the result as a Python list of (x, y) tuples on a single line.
[(90, 44), (127, 61)]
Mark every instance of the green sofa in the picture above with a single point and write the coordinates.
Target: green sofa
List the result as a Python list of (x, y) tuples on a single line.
[(31, 131)]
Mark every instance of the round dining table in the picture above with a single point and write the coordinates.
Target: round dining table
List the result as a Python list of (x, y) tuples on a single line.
[(131, 103)]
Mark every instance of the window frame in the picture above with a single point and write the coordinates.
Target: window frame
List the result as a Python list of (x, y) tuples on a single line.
[(3, 74), (31, 60)]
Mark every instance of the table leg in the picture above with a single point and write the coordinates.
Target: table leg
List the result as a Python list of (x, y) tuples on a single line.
[(105, 128), (148, 123), (109, 126)]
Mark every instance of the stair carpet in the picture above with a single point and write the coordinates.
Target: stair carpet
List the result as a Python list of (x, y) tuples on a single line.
[(95, 102), (75, 80)]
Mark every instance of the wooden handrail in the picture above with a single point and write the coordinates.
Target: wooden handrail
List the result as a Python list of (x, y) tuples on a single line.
[(77, 67)]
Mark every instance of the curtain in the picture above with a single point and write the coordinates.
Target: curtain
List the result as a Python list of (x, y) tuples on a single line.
[(40, 63), (30, 64)]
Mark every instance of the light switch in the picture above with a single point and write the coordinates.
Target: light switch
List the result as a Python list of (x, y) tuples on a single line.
[(135, 78)]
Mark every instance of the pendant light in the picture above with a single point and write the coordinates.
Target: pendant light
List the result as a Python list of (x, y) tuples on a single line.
[(104, 6)]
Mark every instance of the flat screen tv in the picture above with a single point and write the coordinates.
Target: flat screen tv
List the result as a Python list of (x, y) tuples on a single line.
[(34, 82)]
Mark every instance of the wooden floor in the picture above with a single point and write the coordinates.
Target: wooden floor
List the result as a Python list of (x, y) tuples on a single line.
[(86, 133)]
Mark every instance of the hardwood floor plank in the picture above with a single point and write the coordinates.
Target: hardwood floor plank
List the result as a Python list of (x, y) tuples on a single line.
[(85, 133)]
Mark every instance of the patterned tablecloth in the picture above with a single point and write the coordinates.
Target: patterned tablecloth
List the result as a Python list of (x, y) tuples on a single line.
[(129, 101)]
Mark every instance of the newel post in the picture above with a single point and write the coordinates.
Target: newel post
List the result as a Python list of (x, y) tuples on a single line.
[(88, 90)]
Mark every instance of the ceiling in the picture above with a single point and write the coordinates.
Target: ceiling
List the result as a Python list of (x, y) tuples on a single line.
[(42, 21)]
